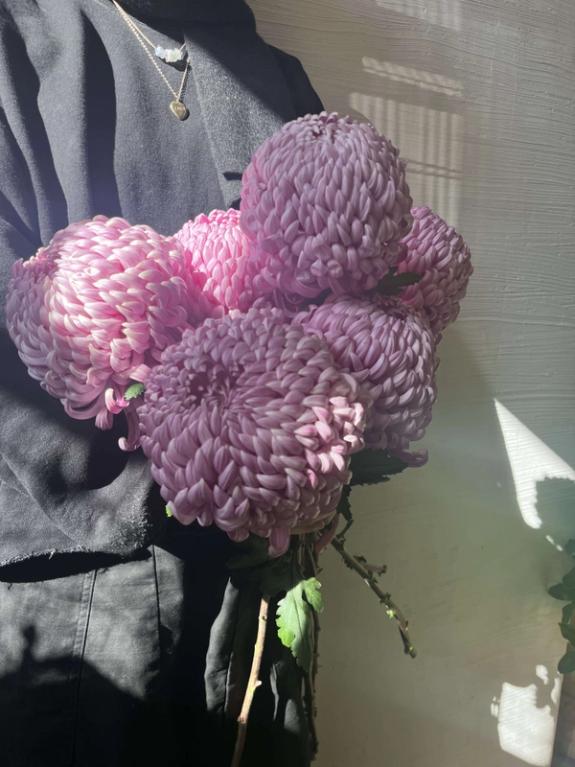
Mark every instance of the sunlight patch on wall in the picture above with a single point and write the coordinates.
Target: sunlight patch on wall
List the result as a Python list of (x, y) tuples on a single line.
[(419, 78), (525, 718), (531, 461), (443, 13), (429, 140)]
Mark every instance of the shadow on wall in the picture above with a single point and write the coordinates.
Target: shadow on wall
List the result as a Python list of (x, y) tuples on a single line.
[(472, 576), (444, 13), (526, 715), (364, 66), (500, 606), (555, 506), (420, 108)]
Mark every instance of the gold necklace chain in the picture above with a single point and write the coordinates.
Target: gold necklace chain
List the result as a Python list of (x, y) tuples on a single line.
[(133, 24), (177, 106)]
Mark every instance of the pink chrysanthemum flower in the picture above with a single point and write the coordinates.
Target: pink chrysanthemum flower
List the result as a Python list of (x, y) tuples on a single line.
[(326, 204), (390, 351), (91, 312), (219, 249), (249, 426), (442, 258)]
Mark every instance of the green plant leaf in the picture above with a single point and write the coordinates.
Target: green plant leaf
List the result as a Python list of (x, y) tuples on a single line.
[(313, 595), (569, 579), (370, 467), (134, 390), (252, 552), (561, 592), (392, 284), (276, 577), (569, 548), (568, 613), (568, 632), (252, 563), (567, 663), (294, 620)]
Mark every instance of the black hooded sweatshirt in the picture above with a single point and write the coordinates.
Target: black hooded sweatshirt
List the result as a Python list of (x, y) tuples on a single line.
[(85, 128)]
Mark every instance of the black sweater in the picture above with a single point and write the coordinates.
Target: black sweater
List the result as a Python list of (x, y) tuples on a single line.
[(84, 129)]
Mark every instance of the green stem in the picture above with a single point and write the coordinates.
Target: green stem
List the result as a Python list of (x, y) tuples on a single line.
[(367, 575)]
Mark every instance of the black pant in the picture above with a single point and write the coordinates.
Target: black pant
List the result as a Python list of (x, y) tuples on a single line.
[(141, 663)]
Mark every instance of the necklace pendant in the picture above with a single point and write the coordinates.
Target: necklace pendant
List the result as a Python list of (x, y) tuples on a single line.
[(179, 109), (170, 55)]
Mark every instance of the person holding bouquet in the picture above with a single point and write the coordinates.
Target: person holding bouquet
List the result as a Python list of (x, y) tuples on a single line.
[(123, 639)]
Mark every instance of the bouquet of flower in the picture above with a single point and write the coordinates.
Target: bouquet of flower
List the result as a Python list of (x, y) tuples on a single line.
[(267, 359)]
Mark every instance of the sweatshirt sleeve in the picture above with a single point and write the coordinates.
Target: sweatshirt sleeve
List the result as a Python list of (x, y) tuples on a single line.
[(69, 472)]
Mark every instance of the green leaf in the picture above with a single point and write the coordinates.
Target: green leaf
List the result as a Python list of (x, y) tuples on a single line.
[(567, 663), (276, 576), (393, 283), (250, 553), (273, 575), (313, 595), (569, 579), (168, 512), (294, 620), (568, 632), (569, 548), (370, 467), (134, 390), (562, 593), (568, 613)]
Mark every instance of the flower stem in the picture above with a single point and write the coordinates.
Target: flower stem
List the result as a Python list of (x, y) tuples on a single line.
[(253, 683), (311, 570), (368, 574)]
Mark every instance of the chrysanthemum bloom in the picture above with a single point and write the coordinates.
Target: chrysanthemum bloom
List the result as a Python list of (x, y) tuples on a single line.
[(442, 258), (91, 312), (249, 426), (389, 349), (219, 249), (326, 204)]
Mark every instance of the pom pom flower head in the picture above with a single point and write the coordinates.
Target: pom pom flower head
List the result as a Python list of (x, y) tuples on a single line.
[(436, 252), (218, 248), (92, 311), (390, 350), (326, 204), (249, 425)]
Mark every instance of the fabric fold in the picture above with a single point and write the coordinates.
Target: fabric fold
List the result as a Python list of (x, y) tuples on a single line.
[(243, 97)]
